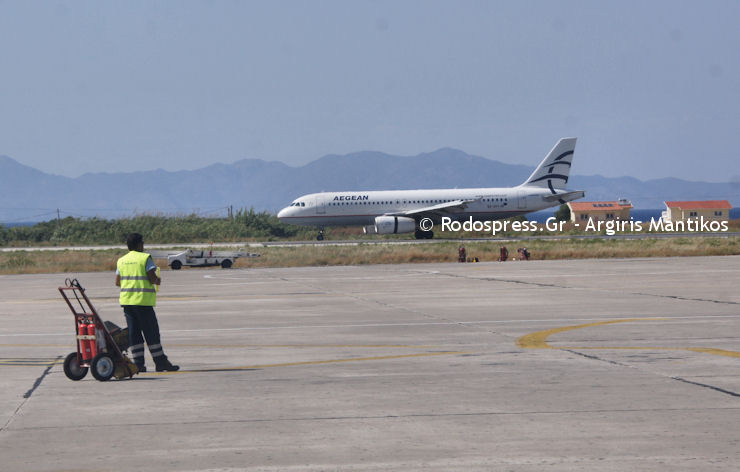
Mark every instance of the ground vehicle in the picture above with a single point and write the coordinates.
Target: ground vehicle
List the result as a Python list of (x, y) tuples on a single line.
[(201, 258)]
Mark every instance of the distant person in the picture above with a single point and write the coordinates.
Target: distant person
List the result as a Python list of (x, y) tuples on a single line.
[(461, 254), (136, 274)]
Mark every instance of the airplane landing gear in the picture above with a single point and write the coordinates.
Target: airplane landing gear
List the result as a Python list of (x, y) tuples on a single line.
[(320, 236), (419, 234)]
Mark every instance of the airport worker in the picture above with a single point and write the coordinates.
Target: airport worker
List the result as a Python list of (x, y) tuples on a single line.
[(136, 274)]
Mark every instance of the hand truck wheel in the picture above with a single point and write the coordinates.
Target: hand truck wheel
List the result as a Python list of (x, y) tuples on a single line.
[(72, 367), (103, 367)]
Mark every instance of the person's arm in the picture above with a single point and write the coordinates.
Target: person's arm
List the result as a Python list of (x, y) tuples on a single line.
[(118, 280), (151, 272)]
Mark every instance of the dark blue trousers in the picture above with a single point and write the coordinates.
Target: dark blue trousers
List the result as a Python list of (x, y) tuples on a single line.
[(142, 324)]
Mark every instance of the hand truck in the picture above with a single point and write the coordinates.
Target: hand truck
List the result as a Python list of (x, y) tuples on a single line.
[(100, 345)]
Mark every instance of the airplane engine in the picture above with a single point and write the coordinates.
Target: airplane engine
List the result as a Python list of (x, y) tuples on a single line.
[(394, 224)]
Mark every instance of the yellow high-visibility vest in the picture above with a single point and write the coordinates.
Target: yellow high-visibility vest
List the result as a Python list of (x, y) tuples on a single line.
[(135, 286)]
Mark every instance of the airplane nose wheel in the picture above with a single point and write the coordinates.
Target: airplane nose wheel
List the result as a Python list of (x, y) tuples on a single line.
[(320, 237)]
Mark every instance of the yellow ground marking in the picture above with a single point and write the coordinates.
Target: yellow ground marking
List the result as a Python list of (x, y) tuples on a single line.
[(49, 361), (716, 352), (538, 340), (97, 299), (31, 362), (293, 364), (31, 302), (250, 346), (38, 345), (302, 346), (175, 298)]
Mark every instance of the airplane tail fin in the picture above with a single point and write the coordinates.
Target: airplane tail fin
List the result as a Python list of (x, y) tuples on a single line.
[(554, 170)]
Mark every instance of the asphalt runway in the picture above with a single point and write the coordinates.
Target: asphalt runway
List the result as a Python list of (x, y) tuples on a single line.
[(576, 365)]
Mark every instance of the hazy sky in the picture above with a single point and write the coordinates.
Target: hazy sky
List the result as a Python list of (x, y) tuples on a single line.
[(650, 88)]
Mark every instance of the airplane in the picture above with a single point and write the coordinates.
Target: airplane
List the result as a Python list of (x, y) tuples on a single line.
[(406, 211)]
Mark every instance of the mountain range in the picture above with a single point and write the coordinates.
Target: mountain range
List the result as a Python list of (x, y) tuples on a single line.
[(27, 194)]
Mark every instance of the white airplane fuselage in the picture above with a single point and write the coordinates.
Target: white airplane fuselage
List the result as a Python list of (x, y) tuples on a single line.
[(352, 208), (403, 211)]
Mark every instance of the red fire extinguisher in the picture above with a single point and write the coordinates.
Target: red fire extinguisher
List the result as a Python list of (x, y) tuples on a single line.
[(94, 341), (84, 343)]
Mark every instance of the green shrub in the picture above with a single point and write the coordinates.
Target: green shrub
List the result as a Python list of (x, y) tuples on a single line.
[(244, 225)]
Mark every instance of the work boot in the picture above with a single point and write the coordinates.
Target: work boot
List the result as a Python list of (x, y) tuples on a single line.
[(164, 365), (141, 368)]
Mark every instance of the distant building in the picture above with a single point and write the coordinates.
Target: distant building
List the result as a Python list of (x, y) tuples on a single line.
[(600, 211), (709, 209)]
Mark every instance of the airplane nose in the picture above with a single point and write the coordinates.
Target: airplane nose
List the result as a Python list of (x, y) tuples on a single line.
[(282, 213)]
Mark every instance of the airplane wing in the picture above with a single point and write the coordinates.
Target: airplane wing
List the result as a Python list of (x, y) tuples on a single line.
[(454, 206)]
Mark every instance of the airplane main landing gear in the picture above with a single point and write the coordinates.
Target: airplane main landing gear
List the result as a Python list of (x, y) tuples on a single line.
[(419, 234)]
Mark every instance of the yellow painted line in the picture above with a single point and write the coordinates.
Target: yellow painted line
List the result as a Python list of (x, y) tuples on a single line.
[(39, 345), (706, 350), (96, 300), (538, 340), (716, 352), (30, 302), (293, 364), (31, 362), (302, 346), (249, 346)]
